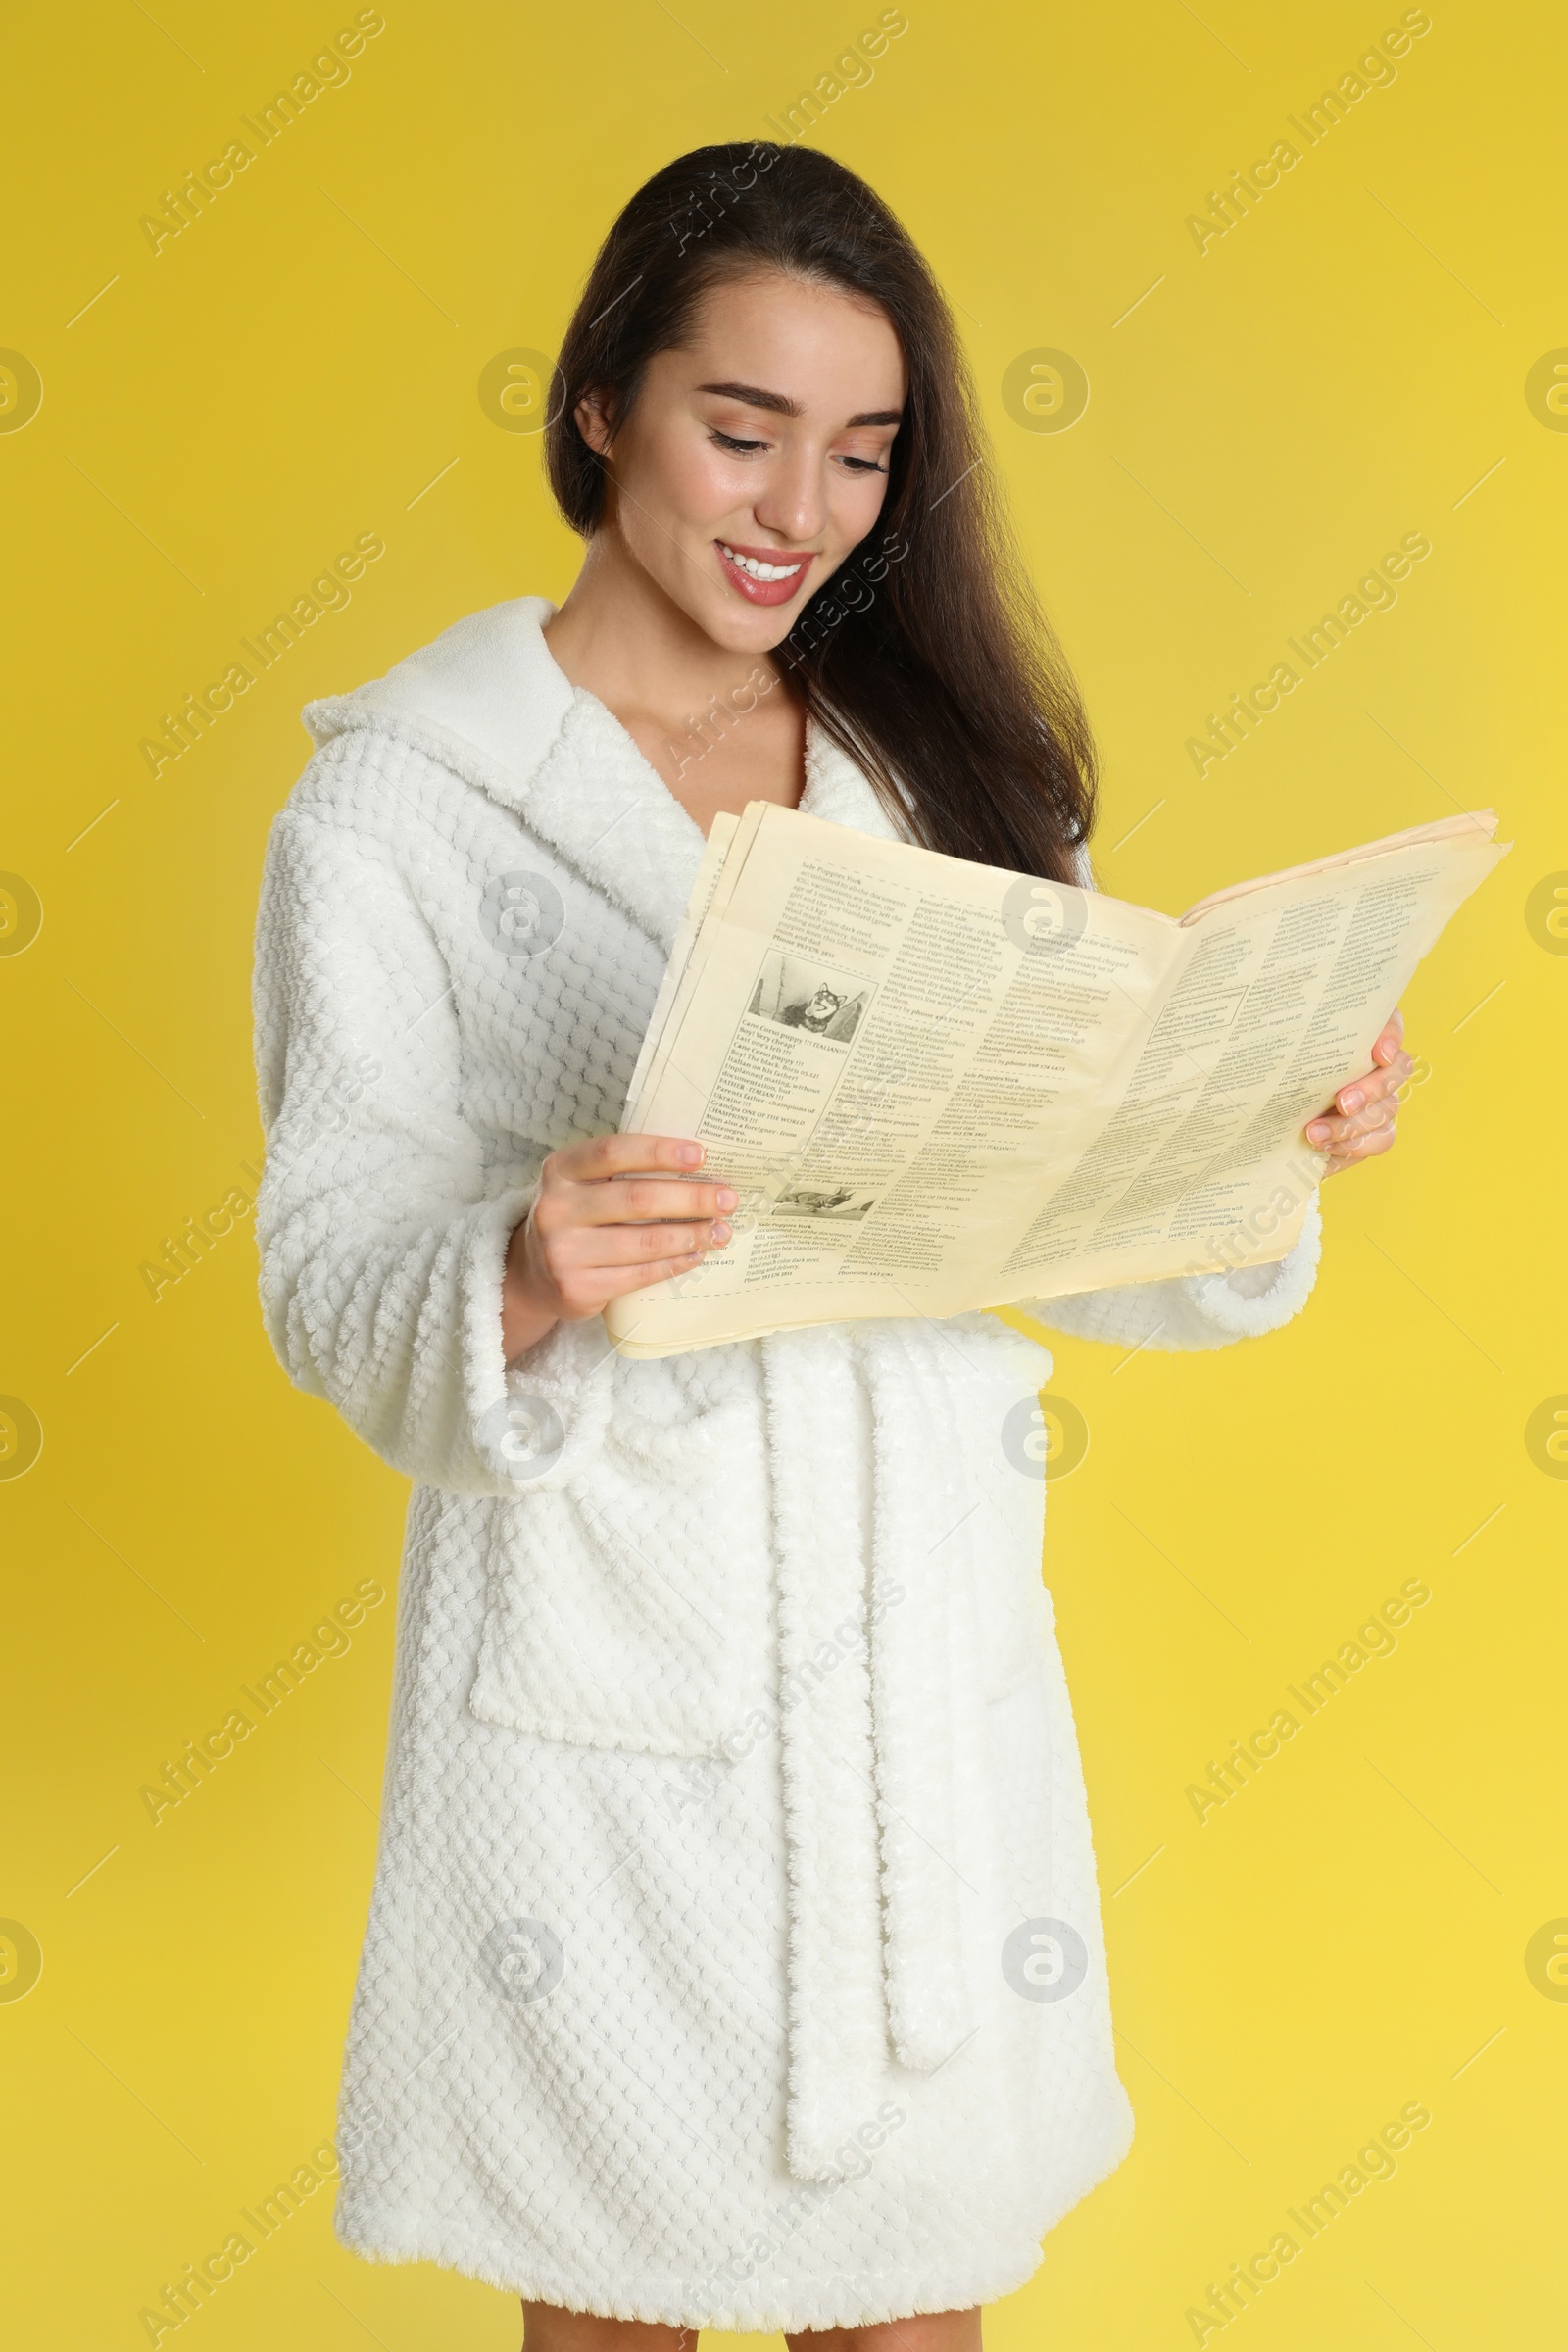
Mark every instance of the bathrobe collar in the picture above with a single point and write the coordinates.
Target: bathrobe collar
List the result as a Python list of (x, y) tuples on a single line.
[(487, 699)]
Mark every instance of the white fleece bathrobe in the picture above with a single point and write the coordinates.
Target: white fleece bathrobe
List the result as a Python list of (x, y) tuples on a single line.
[(734, 1956)]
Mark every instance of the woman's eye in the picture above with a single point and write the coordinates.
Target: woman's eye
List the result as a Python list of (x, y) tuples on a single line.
[(729, 440), (864, 466)]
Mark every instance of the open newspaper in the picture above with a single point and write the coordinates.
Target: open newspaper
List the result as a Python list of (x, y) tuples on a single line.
[(937, 1086)]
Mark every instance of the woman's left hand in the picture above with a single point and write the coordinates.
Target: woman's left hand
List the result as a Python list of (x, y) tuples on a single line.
[(1361, 1123)]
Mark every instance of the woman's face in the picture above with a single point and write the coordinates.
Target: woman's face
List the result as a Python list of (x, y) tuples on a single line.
[(755, 456)]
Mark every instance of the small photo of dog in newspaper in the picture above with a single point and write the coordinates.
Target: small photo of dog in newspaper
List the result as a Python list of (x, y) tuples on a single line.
[(810, 997), (833, 1205)]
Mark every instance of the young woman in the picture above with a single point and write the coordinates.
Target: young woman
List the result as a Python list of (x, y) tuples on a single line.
[(734, 1957)]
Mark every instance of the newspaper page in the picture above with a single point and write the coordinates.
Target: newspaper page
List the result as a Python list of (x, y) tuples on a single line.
[(702, 897), (938, 1086)]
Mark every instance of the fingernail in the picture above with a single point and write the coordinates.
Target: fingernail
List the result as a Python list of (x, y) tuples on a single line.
[(690, 1154), (1318, 1131), (726, 1198), (1352, 1098), (722, 1233)]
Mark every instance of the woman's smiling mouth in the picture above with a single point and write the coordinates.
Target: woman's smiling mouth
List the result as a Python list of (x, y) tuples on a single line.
[(753, 572)]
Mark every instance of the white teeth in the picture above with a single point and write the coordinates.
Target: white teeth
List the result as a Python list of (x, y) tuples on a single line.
[(757, 569)]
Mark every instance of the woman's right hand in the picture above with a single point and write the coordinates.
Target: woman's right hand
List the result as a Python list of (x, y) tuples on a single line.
[(610, 1215)]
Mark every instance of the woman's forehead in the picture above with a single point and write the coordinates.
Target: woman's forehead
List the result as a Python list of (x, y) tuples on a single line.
[(813, 344)]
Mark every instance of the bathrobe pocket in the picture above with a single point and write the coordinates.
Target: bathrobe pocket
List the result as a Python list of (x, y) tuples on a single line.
[(631, 1607)]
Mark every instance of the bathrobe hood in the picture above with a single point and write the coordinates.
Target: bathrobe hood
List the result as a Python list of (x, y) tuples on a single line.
[(487, 699)]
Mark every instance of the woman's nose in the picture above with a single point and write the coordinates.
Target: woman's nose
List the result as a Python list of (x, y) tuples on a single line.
[(792, 501)]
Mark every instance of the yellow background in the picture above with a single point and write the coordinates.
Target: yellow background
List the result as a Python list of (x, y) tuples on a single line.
[(296, 369)]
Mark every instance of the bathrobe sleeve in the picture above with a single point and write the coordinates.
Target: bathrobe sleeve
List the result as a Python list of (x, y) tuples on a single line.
[(382, 1236), (1191, 1310)]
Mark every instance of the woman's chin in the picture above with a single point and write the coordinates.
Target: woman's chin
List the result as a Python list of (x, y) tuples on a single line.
[(744, 628)]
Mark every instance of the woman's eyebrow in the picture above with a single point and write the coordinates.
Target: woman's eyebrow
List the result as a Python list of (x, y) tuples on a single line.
[(755, 397)]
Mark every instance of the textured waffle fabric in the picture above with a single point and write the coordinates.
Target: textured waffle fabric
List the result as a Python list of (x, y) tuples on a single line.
[(734, 1955)]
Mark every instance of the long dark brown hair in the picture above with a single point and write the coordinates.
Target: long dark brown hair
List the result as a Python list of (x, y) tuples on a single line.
[(925, 657)]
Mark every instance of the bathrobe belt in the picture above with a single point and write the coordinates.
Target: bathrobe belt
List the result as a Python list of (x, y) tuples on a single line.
[(879, 1724)]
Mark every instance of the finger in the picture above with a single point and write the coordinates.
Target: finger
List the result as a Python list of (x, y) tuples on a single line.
[(602, 1155), (631, 1199), (1329, 1133), (1365, 1146), (1392, 1039), (599, 1246), (1385, 1081), (1382, 1112), (1377, 1118), (1378, 1086), (597, 1286)]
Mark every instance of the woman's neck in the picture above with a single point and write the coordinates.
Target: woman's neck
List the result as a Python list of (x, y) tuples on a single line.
[(619, 635), (717, 725)]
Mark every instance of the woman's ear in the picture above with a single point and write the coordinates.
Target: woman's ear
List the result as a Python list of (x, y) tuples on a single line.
[(592, 415)]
